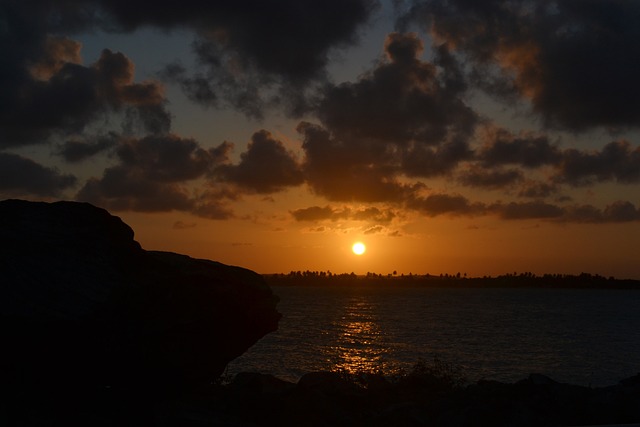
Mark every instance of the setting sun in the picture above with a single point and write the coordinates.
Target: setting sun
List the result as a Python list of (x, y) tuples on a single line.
[(358, 248)]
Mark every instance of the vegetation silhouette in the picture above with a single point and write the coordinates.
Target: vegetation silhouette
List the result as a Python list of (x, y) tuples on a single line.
[(458, 280)]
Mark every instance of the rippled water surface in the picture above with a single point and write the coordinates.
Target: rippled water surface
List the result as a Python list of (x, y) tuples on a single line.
[(578, 336)]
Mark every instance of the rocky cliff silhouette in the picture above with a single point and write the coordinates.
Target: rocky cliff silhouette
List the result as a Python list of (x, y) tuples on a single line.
[(83, 306)]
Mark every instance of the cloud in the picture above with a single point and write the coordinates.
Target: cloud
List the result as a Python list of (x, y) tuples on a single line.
[(47, 93), (121, 189), (339, 170), (573, 60), (445, 204), (501, 147), (402, 118), (373, 214), (490, 179), (458, 205), (253, 53), (263, 34), (618, 212), (617, 161), (526, 210), (394, 101), (152, 176), (214, 204), (537, 189), (266, 167), (583, 214), (375, 139), (166, 158), (20, 176), (77, 150), (421, 161), (621, 211), (314, 213), (374, 230), (249, 53), (56, 52), (327, 213), (402, 101)]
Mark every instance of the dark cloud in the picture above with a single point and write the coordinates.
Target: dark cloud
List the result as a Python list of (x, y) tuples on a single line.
[(526, 210), (537, 189), (457, 205), (249, 52), (621, 211), (404, 117), (501, 147), (402, 101), (56, 52), (20, 176), (252, 53), (77, 150), (422, 161), (445, 204), (266, 167), (260, 34), (165, 158), (617, 212), (47, 92), (617, 161), (122, 189), (373, 214), (314, 213), (214, 204), (574, 60), (490, 179), (152, 174), (63, 98), (403, 120), (583, 214), (339, 170), (327, 213)]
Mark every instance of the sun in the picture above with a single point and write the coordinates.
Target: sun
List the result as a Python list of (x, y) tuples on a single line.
[(358, 248)]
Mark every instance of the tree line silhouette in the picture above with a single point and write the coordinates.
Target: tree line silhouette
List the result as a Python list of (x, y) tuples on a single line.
[(508, 280)]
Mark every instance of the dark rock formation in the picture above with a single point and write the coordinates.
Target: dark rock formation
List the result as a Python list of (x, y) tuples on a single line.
[(84, 307), (417, 399)]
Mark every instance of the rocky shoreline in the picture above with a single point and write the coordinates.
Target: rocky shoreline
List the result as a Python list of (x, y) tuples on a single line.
[(420, 398)]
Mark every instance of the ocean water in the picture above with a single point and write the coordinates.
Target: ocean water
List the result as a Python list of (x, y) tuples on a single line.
[(584, 337)]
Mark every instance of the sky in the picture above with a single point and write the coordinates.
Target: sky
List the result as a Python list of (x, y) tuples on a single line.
[(449, 136)]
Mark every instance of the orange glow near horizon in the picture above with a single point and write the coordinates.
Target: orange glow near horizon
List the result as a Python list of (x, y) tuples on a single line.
[(477, 247)]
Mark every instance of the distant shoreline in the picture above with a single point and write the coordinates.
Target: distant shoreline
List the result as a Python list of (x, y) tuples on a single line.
[(515, 280)]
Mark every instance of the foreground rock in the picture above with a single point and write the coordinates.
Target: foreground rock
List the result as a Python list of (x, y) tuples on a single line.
[(418, 399), (323, 399), (83, 307)]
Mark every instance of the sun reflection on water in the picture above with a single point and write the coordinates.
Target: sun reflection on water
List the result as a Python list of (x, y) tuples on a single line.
[(359, 342)]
